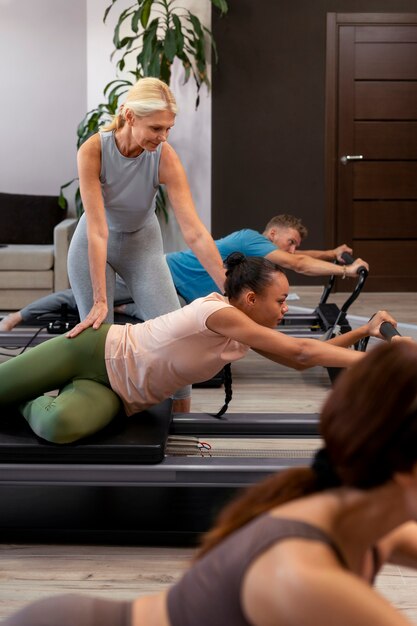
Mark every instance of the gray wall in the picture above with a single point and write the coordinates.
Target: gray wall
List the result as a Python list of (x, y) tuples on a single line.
[(42, 92), (269, 110)]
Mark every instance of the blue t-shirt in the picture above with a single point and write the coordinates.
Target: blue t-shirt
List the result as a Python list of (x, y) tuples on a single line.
[(191, 279)]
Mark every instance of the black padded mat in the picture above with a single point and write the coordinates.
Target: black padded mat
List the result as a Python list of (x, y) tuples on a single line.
[(139, 439), (247, 425)]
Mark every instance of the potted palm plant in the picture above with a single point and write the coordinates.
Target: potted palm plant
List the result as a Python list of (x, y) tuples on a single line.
[(155, 33)]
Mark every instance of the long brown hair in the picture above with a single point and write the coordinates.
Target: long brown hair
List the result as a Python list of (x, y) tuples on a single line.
[(369, 426)]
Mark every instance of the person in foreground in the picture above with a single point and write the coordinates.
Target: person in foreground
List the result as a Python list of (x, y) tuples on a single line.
[(303, 546), (139, 365), (278, 243)]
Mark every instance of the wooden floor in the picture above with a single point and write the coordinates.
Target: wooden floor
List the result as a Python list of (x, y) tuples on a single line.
[(28, 572)]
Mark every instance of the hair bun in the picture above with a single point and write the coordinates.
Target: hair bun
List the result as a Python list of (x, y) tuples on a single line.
[(234, 259)]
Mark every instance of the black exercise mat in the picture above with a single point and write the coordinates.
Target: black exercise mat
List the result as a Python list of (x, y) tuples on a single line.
[(139, 439)]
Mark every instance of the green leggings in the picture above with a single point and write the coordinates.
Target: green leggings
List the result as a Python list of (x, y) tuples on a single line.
[(76, 367)]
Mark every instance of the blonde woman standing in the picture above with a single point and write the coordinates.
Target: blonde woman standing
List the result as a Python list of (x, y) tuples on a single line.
[(120, 169)]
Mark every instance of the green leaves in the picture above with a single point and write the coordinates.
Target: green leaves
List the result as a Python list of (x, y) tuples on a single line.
[(161, 202), (170, 44), (163, 30), (146, 11), (149, 35), (222, 5), (62, 201)]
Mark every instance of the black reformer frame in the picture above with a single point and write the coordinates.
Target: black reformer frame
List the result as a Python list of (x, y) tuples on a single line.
[(327, 316), (101, 490)]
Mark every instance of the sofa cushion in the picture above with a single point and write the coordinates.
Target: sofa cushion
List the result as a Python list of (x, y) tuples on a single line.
[(29, 219), (26, 258), (27, 280)]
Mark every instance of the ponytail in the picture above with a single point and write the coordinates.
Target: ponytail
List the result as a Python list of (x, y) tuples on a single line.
[(257, 499), (275, 490), (116, 123)]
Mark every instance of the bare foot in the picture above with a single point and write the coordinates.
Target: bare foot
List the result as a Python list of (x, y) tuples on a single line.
[(10, 321)]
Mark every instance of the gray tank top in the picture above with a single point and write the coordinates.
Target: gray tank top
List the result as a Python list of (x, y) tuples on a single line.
[(210, 592), (128, 185)]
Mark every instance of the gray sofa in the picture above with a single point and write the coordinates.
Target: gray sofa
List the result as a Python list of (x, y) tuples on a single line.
[(36, 234)]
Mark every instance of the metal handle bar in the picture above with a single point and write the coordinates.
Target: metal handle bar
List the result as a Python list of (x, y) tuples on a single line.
[(348, 259), (388, 331), (327, 289), (363, 274), (347, 158)]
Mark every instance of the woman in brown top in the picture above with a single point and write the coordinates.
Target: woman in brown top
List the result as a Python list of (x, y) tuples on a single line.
[(303, 546)]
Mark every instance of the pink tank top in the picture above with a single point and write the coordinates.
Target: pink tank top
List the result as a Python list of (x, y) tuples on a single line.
[(148, 362)]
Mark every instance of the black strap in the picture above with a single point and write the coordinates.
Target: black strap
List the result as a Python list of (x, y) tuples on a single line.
[(227, 371)]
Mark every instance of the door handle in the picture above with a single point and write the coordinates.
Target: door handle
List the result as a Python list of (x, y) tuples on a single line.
[(350, 157)]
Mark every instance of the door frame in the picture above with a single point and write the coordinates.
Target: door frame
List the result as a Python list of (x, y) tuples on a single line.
[(334, 22)]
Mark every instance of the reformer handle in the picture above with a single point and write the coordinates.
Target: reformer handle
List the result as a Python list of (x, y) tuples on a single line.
[(327, 289), (388, 331), (362, 273), (348, 259)]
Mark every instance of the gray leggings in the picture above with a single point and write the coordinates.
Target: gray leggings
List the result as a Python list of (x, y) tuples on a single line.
[(73, 610), (53, 302), (137, 257)]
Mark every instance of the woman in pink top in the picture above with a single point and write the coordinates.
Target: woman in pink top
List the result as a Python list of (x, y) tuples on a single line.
[(142, 364), (303, 547)]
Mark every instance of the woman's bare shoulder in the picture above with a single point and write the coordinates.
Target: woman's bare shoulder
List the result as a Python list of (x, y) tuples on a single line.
[(91, 146), (299, 589)]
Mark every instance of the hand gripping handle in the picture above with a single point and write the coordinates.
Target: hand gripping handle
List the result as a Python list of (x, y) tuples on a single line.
[(388, 331)]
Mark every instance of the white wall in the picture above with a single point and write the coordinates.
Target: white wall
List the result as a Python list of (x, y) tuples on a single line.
[(54, 64), (42, 92), (191, 136)]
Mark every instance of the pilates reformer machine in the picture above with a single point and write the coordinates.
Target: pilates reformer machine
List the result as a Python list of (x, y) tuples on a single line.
[(141, 480), (153, 479), (327, 319), (128, 483)]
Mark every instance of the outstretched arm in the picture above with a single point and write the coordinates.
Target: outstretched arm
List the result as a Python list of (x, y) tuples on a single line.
[(304, 264), (315, 595), (327, 255), (196, 236), (371, 329), (296, 353)]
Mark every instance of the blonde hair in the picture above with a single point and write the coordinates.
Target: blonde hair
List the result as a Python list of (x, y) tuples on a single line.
[(146, 96)]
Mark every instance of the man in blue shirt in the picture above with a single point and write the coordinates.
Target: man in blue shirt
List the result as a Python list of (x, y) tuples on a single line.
[(279, 243)]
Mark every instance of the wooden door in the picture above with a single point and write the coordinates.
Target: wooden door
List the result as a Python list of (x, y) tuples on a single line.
[(371, 144)]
